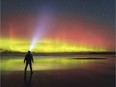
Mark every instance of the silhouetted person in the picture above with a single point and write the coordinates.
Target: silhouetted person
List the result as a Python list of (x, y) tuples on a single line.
[(29, 60)]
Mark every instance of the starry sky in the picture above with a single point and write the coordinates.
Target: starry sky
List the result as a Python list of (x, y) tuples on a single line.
[(88, 22)]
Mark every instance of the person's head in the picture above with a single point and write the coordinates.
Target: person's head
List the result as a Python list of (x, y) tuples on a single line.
[(29, 52)]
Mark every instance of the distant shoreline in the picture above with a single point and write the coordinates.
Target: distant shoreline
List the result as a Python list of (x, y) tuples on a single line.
[(56, 53)]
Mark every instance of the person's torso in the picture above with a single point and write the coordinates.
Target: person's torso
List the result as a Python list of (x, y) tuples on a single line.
[(28, 57)]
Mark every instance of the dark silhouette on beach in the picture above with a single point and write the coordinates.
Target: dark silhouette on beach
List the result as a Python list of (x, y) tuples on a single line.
[(29, 60)]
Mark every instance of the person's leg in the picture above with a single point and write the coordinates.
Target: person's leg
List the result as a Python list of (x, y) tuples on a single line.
[(31, 67), (26, 66)]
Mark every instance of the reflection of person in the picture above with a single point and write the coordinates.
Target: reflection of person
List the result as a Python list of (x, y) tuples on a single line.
[(29, 60), (28, 81)]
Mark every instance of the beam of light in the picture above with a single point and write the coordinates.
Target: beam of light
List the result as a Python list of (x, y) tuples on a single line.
[(42, 26)]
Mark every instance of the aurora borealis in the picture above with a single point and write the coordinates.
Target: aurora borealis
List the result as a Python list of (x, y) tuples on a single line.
[(72, 43), (74, 26)]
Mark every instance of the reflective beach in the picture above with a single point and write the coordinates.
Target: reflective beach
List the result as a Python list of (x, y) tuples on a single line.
[(75, 71)]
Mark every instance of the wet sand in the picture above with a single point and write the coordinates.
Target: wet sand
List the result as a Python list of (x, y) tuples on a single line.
[(97, 74)]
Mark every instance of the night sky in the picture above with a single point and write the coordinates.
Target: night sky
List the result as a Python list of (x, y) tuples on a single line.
[(88, 22)]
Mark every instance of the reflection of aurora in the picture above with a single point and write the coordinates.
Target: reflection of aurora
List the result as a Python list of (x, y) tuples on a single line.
[(45, 64), (46, 46)]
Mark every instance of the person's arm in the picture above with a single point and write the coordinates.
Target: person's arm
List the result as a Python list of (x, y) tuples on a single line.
[(24, 59), (32, 58)]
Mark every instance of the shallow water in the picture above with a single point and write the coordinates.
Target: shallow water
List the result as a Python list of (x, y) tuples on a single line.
[(76, 71)]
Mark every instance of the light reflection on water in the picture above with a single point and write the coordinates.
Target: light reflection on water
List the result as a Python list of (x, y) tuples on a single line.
[(99, 63), (92, 71)]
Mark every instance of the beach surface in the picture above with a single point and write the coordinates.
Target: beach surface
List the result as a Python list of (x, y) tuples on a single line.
[(94, 71)]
